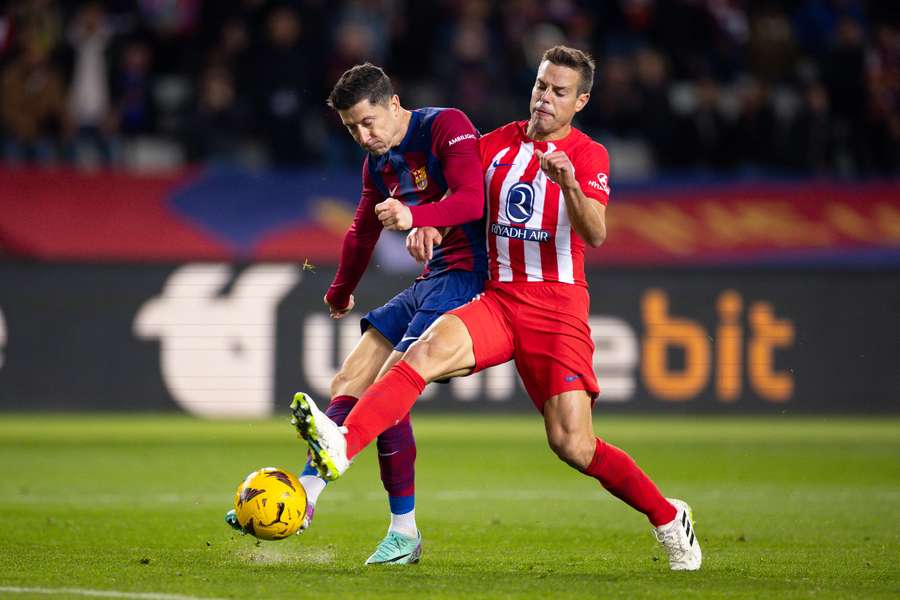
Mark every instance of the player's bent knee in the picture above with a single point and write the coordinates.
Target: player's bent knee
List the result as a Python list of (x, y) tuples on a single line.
[(432, 359), (425, 357), (572, 449), (348, 382), (339, 384), (444, 350)]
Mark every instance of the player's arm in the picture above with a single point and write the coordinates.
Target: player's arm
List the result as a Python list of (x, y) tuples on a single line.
[(455, 143), (587, 211), (356, 250)]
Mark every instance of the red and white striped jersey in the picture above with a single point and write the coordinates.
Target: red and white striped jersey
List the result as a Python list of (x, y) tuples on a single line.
[(529, 234)]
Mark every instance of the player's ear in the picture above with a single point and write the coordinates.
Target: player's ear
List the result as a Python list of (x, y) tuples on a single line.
[(582, 101), (394, 104)]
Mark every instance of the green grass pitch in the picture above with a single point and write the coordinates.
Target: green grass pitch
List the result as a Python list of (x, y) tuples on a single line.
[(784, 507)]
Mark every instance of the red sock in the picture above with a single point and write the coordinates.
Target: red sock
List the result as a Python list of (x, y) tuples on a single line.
[(620, 475), (383, 405)]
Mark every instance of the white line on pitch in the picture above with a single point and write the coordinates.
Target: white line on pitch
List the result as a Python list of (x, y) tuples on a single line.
[(99, 593)]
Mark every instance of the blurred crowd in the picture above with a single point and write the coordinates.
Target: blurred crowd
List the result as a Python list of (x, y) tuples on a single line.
[(803, 86)]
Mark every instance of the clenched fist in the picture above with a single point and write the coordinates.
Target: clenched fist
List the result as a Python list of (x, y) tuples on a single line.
[(339, 313), (557, 167), (394, 215)]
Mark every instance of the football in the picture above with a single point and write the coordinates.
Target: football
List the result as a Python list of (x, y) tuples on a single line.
[(270, 504)]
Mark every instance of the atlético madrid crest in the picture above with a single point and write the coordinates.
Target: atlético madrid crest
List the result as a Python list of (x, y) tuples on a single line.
[(420, 177)]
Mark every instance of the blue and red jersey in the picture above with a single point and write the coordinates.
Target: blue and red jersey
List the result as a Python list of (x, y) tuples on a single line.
[(436, 172)]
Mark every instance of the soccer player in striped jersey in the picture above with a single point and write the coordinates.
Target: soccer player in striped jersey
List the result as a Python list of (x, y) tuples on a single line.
[(422, 169), (548, 187)]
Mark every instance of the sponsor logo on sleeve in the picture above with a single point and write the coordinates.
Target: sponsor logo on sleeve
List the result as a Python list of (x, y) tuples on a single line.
[(601, 183), (459, 138)]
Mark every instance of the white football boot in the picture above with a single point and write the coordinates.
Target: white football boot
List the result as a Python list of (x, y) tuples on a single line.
[(327, 446), (679, 539)]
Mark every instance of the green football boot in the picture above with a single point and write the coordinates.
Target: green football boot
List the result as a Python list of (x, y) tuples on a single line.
[(231, 519), (397, 549)]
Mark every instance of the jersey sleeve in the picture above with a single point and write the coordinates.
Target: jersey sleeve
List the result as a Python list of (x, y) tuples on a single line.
[(592, 172), (455, 143), (359, 242)]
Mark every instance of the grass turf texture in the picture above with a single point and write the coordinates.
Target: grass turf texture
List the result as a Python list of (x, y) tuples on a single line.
[(785, 507)]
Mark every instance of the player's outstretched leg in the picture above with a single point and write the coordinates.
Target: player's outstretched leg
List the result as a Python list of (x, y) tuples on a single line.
[(679, 539), (327, 446), (444, 350)]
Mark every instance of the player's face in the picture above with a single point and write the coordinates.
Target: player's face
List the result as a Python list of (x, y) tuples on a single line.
[(555, 99), (374, 126)]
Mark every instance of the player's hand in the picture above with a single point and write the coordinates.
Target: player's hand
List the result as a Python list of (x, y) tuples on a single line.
[(557, 166), (394, 215), (339, 313), (421, 241)]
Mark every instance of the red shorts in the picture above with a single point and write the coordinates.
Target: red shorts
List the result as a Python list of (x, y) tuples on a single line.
[(543, 326)]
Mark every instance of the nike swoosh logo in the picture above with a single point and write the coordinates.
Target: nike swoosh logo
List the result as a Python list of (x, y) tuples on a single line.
[(389, 453), (500, 164), (399, 557), (407, 337)]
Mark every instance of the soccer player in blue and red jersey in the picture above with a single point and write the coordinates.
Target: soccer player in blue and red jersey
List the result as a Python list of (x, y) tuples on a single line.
[(547, 189), (422, 169)]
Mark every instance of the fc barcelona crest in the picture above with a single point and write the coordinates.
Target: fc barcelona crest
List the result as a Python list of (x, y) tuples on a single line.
[(420, 177)]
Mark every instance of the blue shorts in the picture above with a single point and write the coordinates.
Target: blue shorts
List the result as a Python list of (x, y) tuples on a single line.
[(407, 315)]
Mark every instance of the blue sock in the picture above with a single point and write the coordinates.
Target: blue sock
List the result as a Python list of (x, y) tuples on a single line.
[(400, 505)]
